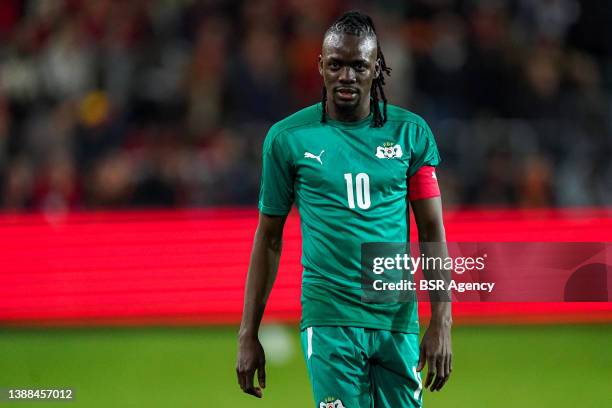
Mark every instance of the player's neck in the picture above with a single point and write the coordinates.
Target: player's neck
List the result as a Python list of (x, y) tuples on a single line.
[(356, 114)]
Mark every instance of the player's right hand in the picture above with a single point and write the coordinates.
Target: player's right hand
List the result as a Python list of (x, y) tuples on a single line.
[(251, 358)]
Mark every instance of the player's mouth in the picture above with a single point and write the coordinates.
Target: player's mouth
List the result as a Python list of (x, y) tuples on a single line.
[(347, 94)]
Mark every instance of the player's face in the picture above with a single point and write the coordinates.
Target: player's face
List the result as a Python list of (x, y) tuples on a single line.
[(348, 66)]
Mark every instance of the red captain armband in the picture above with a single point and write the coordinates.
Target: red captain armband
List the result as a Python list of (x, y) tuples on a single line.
[(423, 184)]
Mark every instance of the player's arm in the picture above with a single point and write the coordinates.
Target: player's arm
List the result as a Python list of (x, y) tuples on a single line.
[(435, 348), (263, 267)]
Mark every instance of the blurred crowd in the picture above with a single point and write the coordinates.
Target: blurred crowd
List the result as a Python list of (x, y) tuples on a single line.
[(115, 104)]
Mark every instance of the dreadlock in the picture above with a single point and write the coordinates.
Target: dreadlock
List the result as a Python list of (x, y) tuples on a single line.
[(356, 23)]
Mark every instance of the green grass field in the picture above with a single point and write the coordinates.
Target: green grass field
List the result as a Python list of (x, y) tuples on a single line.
[(518, 366)]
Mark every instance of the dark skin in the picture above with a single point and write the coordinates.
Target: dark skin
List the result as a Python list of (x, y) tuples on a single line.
[(263, 267), (436, 347), (348, 66)]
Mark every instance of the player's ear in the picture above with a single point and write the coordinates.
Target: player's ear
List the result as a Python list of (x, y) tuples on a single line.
[(320, 65), (377, 68)]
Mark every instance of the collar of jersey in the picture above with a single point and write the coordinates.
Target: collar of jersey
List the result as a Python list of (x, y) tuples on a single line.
[(350, 125)]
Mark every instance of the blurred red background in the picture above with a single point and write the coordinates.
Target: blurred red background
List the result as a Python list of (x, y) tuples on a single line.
[(189, 266)]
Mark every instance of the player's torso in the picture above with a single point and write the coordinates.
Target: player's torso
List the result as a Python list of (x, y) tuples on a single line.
[(348, 170), (350, 186)]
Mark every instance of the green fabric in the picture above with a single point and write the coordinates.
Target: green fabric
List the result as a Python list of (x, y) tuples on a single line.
[(346, 195), (361, 368)]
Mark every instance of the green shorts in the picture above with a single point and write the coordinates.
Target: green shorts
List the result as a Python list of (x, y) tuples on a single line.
[(353, 367)]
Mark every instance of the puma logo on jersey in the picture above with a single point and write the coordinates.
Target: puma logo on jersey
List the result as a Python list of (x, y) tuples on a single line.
[(389, 151), (309, 155)]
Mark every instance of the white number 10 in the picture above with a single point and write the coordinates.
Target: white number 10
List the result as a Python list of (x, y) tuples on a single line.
[(362, 183)]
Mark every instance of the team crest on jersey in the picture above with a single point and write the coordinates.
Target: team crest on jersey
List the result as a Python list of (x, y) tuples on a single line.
[(389, 151), (331, 402)]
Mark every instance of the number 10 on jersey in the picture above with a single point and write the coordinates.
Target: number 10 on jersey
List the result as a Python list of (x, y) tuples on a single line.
[(362, 188)]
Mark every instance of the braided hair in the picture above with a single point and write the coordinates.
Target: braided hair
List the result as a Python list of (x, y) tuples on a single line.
[(356, 23)]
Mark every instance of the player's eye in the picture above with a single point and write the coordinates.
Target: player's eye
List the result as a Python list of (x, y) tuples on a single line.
[(334, 65), (360, 66)]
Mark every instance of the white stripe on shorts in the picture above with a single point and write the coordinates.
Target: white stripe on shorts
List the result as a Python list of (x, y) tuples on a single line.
[(309, 342), (419, 391)]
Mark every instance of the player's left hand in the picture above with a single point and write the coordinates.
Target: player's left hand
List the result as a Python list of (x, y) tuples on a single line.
[(436, 351)]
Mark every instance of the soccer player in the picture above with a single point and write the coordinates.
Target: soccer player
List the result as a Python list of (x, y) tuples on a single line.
[(350, 164)]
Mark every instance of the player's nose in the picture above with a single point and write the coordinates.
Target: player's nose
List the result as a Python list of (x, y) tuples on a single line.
[(347, 75)]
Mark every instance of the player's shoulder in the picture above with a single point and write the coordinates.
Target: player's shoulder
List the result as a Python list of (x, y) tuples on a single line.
[(307, 117), (398, 114)]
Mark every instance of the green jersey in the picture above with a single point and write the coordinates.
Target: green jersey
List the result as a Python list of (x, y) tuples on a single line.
[(349, 183)]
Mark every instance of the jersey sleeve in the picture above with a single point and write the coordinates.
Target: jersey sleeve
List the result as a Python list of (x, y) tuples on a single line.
[(424, 151), (276, 188)]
